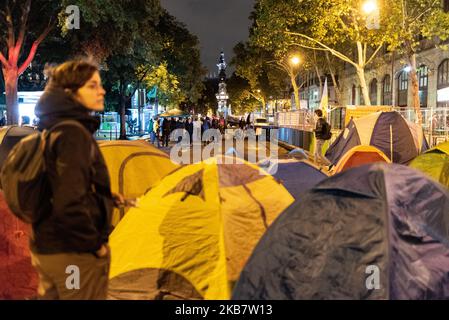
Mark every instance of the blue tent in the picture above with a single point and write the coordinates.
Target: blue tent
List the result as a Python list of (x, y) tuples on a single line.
[(400, 140), (379, 231), (296, 176)]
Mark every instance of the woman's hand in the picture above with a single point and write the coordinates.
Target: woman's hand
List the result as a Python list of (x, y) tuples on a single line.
[(102, 252), (119, 200)]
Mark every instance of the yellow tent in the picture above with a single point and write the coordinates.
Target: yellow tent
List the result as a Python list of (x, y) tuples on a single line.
[(360, 155), (192, 234), (134, 167)]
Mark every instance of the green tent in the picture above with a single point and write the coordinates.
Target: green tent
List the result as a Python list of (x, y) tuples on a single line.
[(434, 163)]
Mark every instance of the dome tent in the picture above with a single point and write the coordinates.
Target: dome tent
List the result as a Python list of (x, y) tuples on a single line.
[(296, 176), (134, 167), (191, 235), (435, 163), (400, 140), (380, 216), (360, 155)]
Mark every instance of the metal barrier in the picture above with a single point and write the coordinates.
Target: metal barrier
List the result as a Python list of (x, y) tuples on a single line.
[(435, 121)]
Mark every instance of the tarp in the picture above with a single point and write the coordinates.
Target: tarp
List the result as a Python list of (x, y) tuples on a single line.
[(379, 231), (360, 155), (192, 234), (435, 163), (400, 140), (134, 168), (296, 176)]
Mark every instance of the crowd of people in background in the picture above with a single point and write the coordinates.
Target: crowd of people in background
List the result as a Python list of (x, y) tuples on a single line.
[(162, 128)]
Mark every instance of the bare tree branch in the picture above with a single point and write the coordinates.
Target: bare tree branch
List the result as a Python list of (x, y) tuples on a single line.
[(374, 54), (3, 60), (334, 52), (34, 47), (25, 13), (10, 26)]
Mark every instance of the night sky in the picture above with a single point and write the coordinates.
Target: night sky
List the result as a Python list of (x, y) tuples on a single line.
[(219, 25)]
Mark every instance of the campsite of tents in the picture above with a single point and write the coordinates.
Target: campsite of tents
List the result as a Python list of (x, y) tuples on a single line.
[(192, 234), (379, 226)]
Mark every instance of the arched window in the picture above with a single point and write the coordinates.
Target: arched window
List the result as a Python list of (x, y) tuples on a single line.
[(353, 95), (373, 92), (402, 89), (386, 90), (423, 80), (361, 98), (443, 74)]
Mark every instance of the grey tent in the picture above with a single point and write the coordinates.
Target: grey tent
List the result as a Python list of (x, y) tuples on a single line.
[(379, 231)]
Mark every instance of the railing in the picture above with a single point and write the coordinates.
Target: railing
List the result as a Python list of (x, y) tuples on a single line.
[(435, 121), (298, 119)]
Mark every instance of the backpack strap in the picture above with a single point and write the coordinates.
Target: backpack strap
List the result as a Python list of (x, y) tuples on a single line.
[(73, 123)]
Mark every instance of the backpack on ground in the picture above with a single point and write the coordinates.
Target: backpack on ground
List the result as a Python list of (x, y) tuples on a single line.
[(24, 176)]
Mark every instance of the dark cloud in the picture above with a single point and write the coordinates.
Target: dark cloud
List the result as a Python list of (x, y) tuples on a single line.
[(218, 24)]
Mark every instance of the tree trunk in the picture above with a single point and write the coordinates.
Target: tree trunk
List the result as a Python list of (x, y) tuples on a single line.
[(295, 92), (338, 95), (363, 86), (415, 88), (122, 107), (12, 105)]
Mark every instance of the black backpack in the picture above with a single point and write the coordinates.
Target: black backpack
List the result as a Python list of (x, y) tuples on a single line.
[(24, 177), (327, 134)]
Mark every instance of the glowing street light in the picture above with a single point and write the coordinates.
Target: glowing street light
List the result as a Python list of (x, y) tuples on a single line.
[(369, 7), (295, 60), (408, 69)]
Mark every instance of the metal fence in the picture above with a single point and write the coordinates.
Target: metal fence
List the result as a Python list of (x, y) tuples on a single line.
[(435, 121)]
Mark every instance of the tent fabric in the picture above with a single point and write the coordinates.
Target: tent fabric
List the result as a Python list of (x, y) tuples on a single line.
[(9, 137), (18, 279), (400, 140), (296, 176), (380, 231), (360, 155), (434, 163), (365, 126), (134, 168), (192, 234)]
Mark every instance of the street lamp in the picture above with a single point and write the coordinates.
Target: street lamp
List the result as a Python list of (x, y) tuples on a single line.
[(369, 7), (371, 11), (295, 60)]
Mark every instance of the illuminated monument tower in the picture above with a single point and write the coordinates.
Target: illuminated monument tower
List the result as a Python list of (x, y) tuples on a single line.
[(222, 95)]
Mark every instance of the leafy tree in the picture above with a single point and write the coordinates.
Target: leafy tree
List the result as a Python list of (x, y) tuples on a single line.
[(338, 27), (412, 19)]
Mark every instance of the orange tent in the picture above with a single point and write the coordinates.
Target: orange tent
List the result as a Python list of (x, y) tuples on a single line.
[(360, 155)]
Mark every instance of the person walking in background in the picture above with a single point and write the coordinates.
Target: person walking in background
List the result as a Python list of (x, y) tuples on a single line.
[(166, 132), (322, 133), (196, 136), (154, 131), (189, 128)]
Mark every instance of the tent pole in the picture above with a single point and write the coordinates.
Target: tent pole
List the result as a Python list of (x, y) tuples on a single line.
[(391, 143)]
